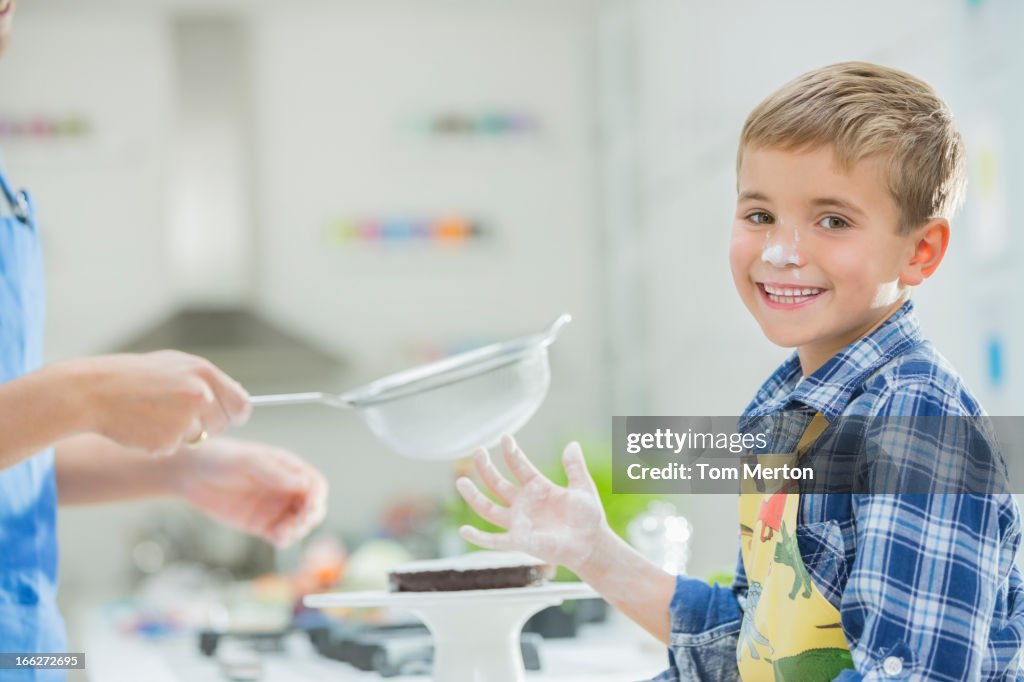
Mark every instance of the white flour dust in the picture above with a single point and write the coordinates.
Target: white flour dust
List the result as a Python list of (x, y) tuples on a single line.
[(781, 255)]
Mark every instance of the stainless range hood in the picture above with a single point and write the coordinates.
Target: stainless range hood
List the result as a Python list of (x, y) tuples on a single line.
[(259, 354)]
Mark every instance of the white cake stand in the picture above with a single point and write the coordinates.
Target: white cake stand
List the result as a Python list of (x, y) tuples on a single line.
[(476, 632)]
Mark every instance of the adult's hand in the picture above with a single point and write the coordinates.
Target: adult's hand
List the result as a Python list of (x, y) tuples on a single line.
[(257, 488), (155, 402)]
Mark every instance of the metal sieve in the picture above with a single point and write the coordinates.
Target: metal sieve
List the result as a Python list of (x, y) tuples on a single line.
[(446, 409)]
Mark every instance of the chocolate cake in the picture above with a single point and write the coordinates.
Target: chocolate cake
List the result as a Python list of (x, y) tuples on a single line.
[(473, 571)]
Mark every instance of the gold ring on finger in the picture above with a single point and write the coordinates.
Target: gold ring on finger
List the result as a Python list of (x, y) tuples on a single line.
[(203, 435)]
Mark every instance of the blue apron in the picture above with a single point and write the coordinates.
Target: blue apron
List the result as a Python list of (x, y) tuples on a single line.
[(29, 619)]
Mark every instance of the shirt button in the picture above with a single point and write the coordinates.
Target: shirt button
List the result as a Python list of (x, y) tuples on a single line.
[(892, 665)]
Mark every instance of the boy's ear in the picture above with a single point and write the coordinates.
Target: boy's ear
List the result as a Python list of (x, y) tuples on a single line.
[(930, 242)]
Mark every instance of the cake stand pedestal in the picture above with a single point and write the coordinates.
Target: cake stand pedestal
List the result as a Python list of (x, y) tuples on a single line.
[(476, 632)]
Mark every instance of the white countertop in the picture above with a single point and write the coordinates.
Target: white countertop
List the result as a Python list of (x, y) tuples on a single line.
[(614, 651)]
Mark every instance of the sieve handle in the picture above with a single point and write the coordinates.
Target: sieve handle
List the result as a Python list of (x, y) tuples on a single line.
[(549, 336), (299, 399)]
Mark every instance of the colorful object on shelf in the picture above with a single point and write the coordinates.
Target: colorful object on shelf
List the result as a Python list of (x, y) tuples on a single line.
[(989, 216), (42, 127), (448, 229), (487, 124), (996, 362)]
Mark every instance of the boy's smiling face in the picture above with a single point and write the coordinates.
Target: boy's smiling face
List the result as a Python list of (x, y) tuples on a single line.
[(816, 253)]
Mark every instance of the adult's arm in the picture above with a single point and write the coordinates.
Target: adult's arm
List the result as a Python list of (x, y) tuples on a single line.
[(258, 488), (151, 403), (38, 410), (92, 469)]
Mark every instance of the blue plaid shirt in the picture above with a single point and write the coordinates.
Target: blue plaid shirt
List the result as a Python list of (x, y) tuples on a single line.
[(926, 584)]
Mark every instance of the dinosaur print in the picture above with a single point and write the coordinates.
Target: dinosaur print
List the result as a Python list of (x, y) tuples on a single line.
[(748, 630), (787, 553), (813, 665), (770, 515)]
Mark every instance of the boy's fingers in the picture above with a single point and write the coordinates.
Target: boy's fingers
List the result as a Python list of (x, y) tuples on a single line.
[(576, 468), (521, 467), (492, 478), (480, 504), (498, 541)]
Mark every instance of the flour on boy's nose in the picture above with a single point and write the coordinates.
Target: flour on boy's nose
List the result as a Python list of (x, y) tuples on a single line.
[(780, 256)]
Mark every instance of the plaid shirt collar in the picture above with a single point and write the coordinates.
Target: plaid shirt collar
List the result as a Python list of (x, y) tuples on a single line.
[(830, 389)]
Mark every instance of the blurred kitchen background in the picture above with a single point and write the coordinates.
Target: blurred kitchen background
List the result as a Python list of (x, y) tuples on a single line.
[(320, 192)]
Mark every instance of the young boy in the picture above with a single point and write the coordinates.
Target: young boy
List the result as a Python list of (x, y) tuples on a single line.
[(847, 177)]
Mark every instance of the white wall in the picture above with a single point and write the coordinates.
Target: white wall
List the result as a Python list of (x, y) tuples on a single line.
[(100, 198)]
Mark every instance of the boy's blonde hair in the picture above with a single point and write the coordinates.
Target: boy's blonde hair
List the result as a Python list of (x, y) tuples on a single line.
[(864, 110)]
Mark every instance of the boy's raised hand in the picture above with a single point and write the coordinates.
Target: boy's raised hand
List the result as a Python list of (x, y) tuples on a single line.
[(556, 524), (567, 526)]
